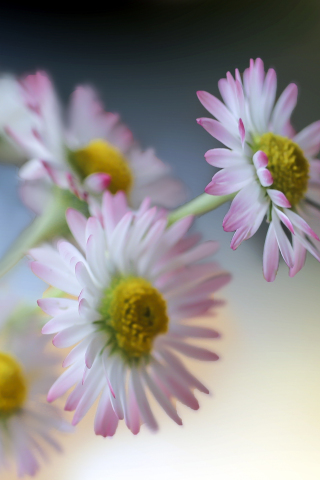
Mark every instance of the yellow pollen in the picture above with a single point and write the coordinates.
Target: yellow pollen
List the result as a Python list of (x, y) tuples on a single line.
[(286, 162), (101, 156), (134, 313), (13, 386)]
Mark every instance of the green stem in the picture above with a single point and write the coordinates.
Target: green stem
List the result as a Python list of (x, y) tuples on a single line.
[(44, 227), (199, 206)]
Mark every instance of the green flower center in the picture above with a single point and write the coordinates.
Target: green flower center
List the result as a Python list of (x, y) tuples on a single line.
[(133, 313), (13, 385), (286, 162), (101, 156)]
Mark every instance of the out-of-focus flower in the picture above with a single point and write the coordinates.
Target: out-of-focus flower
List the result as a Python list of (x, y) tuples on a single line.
[(272, 168), (72, 162), (136, 285), (89, 152), (14, 113), (27, 422)]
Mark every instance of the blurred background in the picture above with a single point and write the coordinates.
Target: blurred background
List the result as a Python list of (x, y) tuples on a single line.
[(147, 60)]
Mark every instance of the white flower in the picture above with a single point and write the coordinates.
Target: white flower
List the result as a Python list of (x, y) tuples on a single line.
[(272, 168), (26, 420), (137, 284), (89, 152)]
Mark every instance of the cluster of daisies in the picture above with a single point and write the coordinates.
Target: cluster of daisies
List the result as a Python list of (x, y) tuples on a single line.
[(131, 289)]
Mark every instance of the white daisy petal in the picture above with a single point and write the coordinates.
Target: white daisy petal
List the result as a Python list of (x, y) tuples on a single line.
[(128, 258), (106, 421), (142, 401), (161, 398), (270, 255), (219, 132), (283, 242), (284, 108), (56, 278), (174, 385)]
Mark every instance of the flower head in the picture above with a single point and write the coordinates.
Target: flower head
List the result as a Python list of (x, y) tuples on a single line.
[(136, 285), (90, 152), (272, 168), (26, 420)]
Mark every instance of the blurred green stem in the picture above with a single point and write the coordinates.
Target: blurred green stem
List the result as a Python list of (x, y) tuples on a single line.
[(43, 228), (199, 206)]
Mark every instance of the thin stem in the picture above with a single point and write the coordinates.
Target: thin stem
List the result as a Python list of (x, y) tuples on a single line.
[(44, 227), (199, 206)]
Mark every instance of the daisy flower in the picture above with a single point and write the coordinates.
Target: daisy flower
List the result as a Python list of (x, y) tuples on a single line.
[(89, 152), (26, 420), (136, 286), (271, 168)]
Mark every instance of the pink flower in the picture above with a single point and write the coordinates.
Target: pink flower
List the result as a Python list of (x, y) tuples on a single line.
[(136, 285), (271, 169), (89, 152)]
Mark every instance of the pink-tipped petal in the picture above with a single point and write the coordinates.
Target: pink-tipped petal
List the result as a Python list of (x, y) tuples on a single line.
[(71, 335), (269, 93), (97, 182), (192, 351), (265, 177), (242, 131), (239, 236), (219, 132), (180, 370), (301, 224), (217, 109), (106, 421), (278, 198), (228, 93), (93, 350), (77, 224), (32, 170), (223, 158), (260, 159), (142, 401), (230, 180), (300, 254), (284, 219), (64, 382), (309, 245), (309, 139), (162, 398), (56, 306), (283, 241), (174, 385), (241, 207), (56, 278), (270, 255), (284, 108)]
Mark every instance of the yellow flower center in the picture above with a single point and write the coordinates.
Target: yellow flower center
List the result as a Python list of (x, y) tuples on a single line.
[(101, 156), (134, 313), (13, 386), (289, 167)]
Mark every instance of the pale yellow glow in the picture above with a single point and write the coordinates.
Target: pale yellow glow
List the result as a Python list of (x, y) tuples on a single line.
[(262, 421)]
